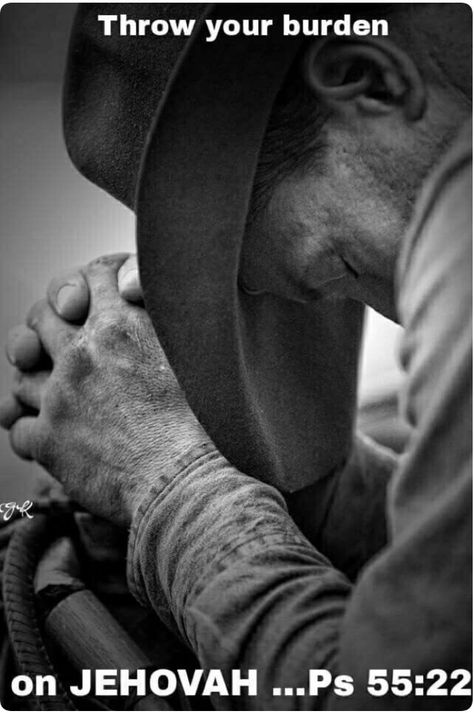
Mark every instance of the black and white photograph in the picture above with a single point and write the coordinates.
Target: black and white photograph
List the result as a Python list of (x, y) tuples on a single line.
[(236, 356)]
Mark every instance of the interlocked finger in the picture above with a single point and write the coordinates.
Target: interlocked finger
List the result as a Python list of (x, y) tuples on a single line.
[(68, 295), (24, 349), (54, 333), (10, 411), (29, 388), (24, 437)]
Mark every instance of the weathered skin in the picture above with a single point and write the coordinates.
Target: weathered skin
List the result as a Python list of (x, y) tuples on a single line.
[(107, 378), (68, 295), (333, 226)]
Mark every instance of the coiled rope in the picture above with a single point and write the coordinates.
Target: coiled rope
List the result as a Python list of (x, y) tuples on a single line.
[(27, 544)]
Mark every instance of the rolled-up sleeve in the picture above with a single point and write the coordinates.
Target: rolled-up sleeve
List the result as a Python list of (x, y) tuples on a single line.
[(217, 556)]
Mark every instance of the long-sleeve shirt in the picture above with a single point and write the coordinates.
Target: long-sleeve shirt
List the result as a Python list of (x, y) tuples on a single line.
[(217, 556)]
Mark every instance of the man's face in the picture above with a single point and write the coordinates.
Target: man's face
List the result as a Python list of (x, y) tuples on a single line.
[(335, 228)]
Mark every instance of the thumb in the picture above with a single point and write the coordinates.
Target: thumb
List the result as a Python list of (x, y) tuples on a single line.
[(129, 286)]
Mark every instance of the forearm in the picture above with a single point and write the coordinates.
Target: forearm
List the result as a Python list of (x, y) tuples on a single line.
[(216, 554)]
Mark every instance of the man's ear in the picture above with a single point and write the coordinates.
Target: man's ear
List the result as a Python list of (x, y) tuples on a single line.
[(373, 74)]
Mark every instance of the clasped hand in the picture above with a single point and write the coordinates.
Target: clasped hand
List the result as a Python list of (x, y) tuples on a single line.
[(94, 399)]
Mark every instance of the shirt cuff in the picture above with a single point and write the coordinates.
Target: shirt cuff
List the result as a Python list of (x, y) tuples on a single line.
[(196, 456)]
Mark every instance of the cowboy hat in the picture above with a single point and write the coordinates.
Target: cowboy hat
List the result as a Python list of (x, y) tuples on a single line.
[(173, 126)]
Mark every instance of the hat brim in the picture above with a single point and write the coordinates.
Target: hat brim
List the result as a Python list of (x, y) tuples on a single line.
[(273, 382)]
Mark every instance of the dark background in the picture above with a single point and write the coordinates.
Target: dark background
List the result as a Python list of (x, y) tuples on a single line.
[(33, 41)]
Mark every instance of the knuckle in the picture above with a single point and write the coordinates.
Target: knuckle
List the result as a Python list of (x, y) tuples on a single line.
[(56, 403), (69, 342), (77, 362), (80, 362), (64, 386), (111, 330)]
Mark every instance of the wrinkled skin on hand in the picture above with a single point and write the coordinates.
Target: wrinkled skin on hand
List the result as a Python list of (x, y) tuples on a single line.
[(110, 416), (68, 295)]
